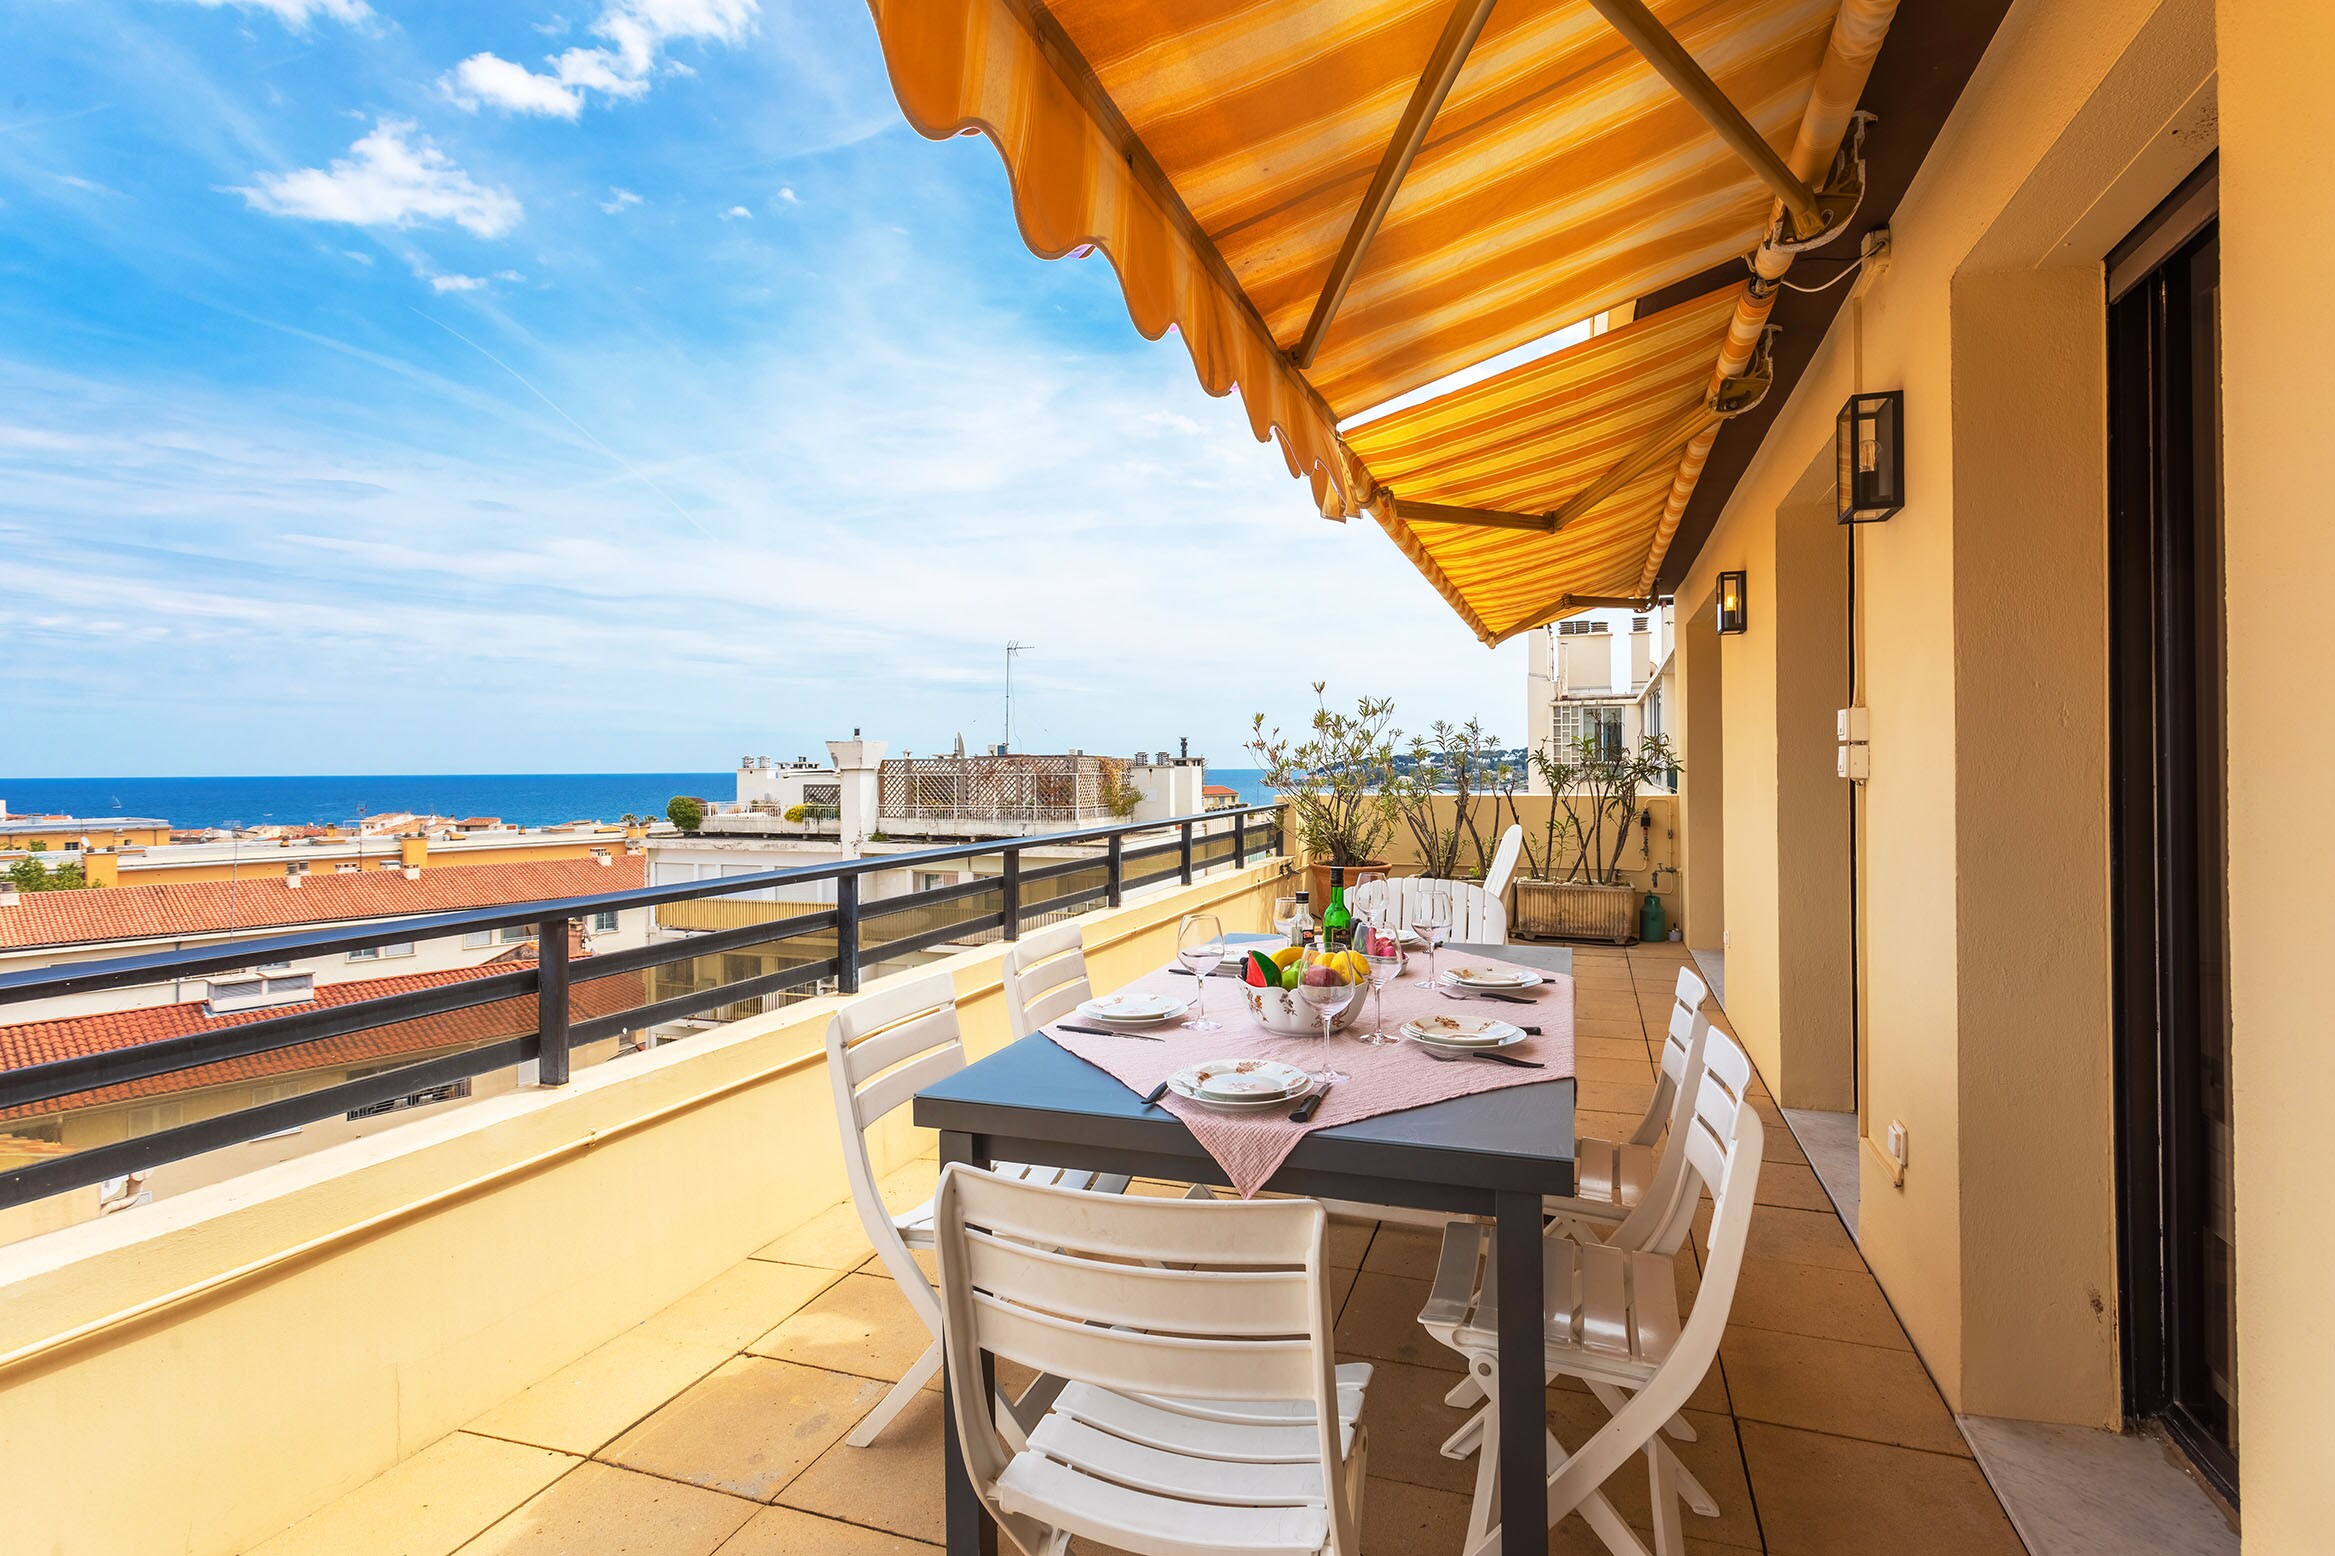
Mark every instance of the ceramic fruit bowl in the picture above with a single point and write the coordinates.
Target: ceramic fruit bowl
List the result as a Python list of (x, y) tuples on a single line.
[(1285, 1011)]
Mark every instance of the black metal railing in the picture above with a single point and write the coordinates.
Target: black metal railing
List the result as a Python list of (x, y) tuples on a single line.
[(836, 943)]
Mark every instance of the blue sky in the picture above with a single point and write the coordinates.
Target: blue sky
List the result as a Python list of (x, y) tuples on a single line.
[(603, 385)]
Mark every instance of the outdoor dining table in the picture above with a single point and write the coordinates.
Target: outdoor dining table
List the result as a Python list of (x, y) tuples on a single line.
[(1495, 1154)]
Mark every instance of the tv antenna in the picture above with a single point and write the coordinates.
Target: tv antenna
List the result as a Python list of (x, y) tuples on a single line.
[(1011, 649)]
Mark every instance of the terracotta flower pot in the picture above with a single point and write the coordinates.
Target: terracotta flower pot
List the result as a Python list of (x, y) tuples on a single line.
[(1320, 874)]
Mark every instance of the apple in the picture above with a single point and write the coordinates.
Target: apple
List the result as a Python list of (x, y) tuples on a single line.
[(1322, 975)]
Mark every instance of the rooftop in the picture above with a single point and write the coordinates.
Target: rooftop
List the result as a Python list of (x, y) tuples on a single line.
[(262, 900), (716, 1424), (42, 1042)]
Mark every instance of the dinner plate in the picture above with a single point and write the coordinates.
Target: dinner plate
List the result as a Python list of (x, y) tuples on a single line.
[(1495, 978), (1134, 1010), (1210, 1084), (1462, 1032)]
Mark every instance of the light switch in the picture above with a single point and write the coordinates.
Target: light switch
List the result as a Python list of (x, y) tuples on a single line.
[(1850, 722), (1856, 762)]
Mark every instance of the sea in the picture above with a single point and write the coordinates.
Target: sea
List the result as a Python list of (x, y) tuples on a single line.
[(523, 799)]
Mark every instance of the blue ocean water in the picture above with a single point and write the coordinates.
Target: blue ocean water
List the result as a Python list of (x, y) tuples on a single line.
[(525, 799)]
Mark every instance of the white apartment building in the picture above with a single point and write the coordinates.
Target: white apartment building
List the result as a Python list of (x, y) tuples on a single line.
[(1605, 673)]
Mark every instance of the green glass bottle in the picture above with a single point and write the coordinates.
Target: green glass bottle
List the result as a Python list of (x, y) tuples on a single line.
[(1337, 920)]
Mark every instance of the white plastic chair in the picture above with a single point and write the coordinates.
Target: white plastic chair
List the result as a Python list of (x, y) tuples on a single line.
[(1504, 861), (1045, 978), (882, 1051), (1610, 1318), (1203, 1409), (1477, 918)]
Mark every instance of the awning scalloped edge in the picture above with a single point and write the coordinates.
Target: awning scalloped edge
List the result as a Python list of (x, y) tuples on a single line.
[(963, 65), (1406, 539)]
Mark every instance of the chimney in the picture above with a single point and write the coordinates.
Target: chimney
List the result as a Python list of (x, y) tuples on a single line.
[(413, 852), (600, 856), (8, 897), (295, 873), (412, 872), (102, 868), (857, 763)]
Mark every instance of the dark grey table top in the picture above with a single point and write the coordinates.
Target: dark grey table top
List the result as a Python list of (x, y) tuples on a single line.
[(1036, 1101)]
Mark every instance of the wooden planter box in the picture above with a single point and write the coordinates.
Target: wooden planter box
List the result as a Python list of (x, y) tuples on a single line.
[(1560, 910)]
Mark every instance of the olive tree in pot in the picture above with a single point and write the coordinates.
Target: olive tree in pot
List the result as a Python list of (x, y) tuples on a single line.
[(1574, 887), (1337, 782), (1462, 766)]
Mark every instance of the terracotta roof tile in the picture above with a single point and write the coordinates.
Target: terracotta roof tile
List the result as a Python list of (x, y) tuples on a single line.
[(261, 900), (41, 1042)]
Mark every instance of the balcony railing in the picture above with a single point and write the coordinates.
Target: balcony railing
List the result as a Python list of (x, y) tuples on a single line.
[(826, 944)]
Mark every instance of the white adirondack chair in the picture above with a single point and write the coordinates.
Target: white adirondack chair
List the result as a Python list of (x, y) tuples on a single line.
[(881, 1051), (1045, 978), (1504, 858), (1477, 918), (1203, 1409), (1611, 1319)]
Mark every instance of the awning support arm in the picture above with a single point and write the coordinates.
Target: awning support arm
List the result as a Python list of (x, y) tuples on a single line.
[(1670, 59), (1482, 518), (1673, 436), (1443, 65)]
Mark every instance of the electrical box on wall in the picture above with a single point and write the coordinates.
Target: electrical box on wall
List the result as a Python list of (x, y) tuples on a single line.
[(1856, 760)]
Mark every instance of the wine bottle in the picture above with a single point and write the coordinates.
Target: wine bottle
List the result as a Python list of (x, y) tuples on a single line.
[(1337, 920)]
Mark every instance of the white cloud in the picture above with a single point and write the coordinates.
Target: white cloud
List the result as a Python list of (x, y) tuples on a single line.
[(737, 213), (489, 78), (786, 196), (297, 14), (444, 284), (636, 34), (509, 275), (358, 255), (392, 177), (618, 199)]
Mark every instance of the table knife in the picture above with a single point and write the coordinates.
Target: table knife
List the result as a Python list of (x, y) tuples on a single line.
[(1310, 1106), (1064, 1026), (1521, 1064), (1151, 1098)]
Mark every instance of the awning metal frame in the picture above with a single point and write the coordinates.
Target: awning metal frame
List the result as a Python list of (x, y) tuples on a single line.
[(1482, 518), (1460, 31), (1809, 219)]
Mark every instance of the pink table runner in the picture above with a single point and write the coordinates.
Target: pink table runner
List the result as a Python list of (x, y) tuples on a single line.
[(1383, 1079)]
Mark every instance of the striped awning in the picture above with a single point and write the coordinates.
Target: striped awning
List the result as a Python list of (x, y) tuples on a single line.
[(1533, 439), (1337, 202)]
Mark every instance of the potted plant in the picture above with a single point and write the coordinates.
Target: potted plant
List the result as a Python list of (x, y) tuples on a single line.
[(1338, 782), (1574, 887), (1462, 765)]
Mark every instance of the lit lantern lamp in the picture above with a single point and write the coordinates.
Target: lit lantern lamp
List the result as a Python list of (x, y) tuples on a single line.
[(1732, 614), (1868, 445)]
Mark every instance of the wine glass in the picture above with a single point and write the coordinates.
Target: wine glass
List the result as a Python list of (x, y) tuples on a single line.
[(1431, 921), (1328, 1000), (1285, 917), (1200, 947), (1383, 954)]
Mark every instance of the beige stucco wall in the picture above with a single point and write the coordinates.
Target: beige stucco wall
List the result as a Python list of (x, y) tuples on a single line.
[(2278, 227), (194, 1376), (1983, 869)]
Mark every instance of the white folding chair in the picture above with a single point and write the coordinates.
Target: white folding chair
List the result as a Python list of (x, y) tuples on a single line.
[(1610, 1318), (1045, 978), (1203, 1410), (1477, 918), (881, 1051), (1611, 1177)]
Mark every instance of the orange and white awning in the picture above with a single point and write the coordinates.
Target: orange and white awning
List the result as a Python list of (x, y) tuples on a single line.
[(1534, 440), (1336, 202)]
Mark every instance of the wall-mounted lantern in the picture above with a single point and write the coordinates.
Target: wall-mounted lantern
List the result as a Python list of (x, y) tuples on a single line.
[(1733, 616), (1868, 446)]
